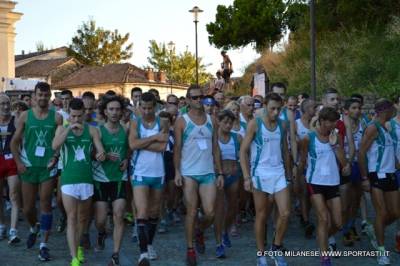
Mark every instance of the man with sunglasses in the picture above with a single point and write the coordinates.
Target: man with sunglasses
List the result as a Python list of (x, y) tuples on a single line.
[(196, 152)]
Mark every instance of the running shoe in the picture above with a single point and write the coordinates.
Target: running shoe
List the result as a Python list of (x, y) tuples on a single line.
[(3, 232), (191, 257), (220, 252), (85, 241), (135, 237), (333, 249), (151, 252), (75, 262), (262, 261), (162, 228), (101, 238), (199, 241), (226, 241), (13, 237), (114, 261), (279, 259), (383, 260), (44, 254), (354, 234), (80, 255), (326, 261), (144, 260), (61, 224), (128, 217), (397, 243), (30, 242), (369, 229), (234, 231)]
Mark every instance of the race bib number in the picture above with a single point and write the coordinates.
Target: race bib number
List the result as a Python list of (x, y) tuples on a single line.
[(79, 155), (202, 143), (8, 156), (40, 151)]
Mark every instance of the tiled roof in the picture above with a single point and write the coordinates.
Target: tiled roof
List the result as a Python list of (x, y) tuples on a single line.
[(26, 56), (112, 73), (40, 67)]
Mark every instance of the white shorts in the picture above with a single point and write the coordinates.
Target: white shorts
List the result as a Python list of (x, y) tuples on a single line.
[(78, 191), (269, 184)]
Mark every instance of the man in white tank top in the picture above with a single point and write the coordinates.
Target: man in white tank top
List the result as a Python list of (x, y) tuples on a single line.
[(298, 130), (266, 178), (196, 151), (377, 166), (149, 140)]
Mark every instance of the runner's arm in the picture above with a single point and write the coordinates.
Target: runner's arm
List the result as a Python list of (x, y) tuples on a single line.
[(17, 138), (340, 154), (245, 148), (94, 132), (286, 154), (60, 137), (216, 150), (370, 134), (136, 143), (303, 155), (349, 136), (178, 130)]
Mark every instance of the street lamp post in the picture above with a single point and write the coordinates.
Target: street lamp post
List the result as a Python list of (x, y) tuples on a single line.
[(196, 10), (171, 46)]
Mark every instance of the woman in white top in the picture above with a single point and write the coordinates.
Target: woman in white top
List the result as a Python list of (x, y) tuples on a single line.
[(225, 213), (321, 149)]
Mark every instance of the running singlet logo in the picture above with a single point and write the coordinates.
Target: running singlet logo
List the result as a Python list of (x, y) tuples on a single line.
[(41, 138), (79, 153)]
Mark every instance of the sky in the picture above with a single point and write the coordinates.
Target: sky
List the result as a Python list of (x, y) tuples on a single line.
[(54, 22)]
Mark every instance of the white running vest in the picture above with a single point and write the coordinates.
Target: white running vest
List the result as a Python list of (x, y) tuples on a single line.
[(395, 133), (322, 165), (197, 156), (148, 163), (266, 151), (357, 136), (381, 153), (301, 130), (230, 150)]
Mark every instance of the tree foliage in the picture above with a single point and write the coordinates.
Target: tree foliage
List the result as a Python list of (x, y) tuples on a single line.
[(263, 22), (96, 46), (180, 68), (257, 22)]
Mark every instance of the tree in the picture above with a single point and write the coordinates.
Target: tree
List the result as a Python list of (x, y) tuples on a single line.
[(257, 22), (96, 46), (40, 47), (180, 68)]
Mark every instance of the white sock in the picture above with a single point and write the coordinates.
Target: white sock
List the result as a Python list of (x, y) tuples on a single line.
[(331, 240), (42, 245), (143, 255)]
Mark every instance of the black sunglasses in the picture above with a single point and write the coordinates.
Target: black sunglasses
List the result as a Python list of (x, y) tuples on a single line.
[(197, 97), (174, 103)]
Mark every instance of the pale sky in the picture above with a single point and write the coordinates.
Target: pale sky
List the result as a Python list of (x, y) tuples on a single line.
[(54, 22)]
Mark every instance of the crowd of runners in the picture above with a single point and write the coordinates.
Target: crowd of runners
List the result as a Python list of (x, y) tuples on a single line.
[(211, 160)]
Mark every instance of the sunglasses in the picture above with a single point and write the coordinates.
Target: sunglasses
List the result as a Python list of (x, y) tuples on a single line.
[(197, 97), (174, 103)]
